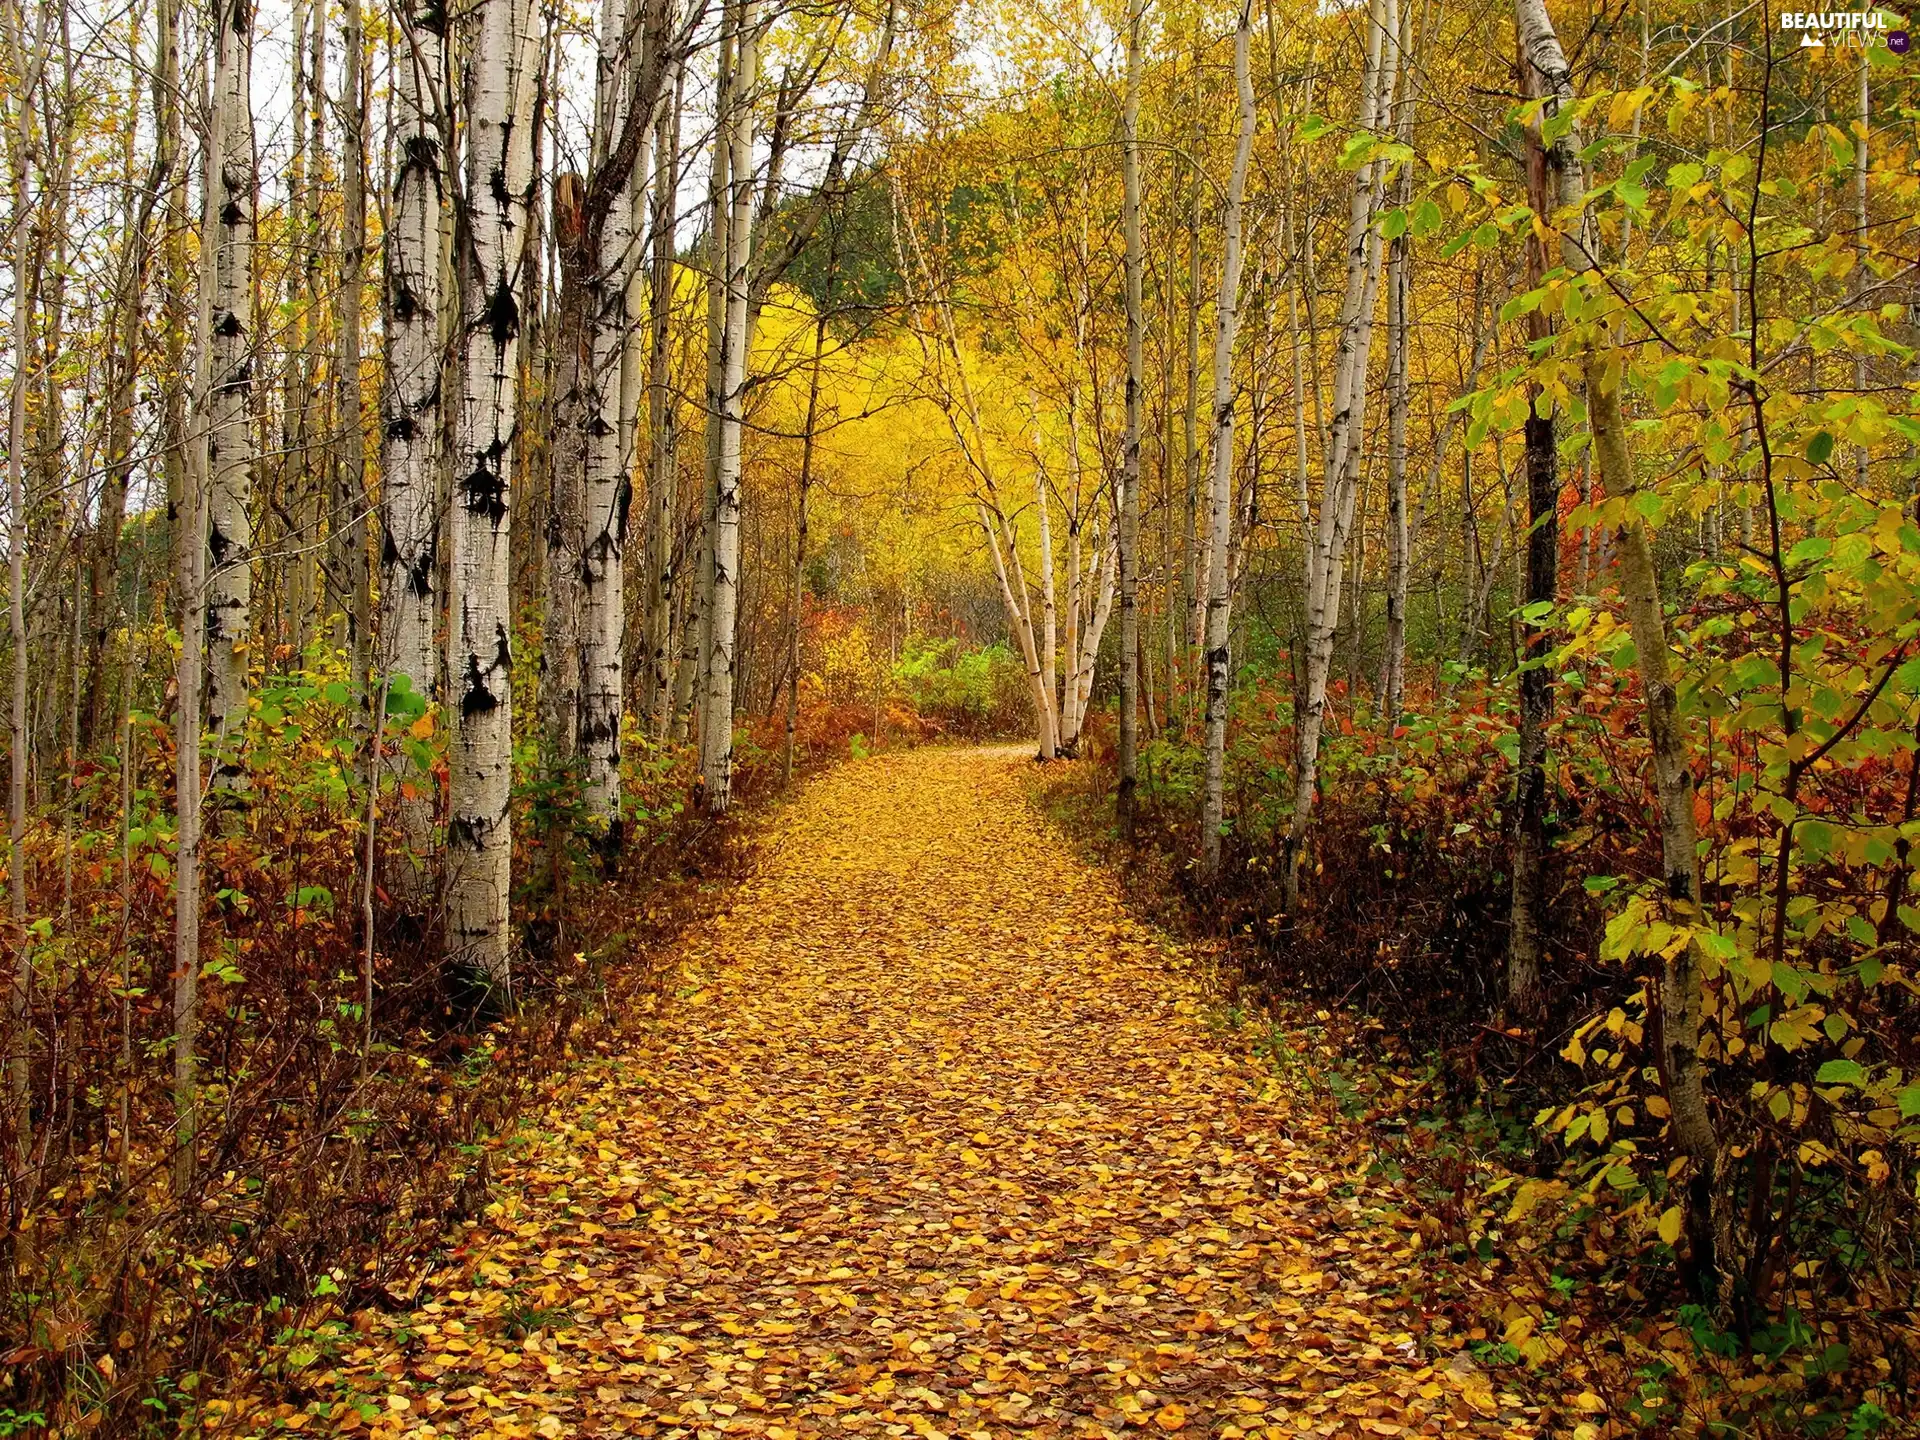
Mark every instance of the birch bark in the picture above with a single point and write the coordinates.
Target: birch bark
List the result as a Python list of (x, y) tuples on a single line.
[(663, 481), (230, 441), (1129, 529), (717, 692), (348, 538), (632, 39), (1220, 530), (1346, 428), (497, 178), (28, 68), (411, 428)]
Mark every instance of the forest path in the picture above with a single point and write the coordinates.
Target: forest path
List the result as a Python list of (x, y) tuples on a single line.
[(937, 1141)]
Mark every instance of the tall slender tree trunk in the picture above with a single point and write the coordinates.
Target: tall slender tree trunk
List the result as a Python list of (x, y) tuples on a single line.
[(28, 69), (194, 554), (1681, 998), (412, 423), (1346, 432), (1049, 611), (230, 439), (1399, 528), (307, 409), (663, 480), (348, 533), (125, 336), (1193, 580), (1220, 530), (796, 592), (1129, 536), (494, 201), (723, 608), (690, 681), (1542, 553), (630, 34), (565, 530), (1862, 244)]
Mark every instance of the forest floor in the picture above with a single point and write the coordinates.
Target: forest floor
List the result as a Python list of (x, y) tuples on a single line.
[(935, 1139)]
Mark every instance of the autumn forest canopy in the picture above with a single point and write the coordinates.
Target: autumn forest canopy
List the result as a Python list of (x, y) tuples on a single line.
[(1434, 485)]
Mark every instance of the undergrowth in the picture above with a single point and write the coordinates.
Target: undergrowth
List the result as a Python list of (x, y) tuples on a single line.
[(1383, 998)]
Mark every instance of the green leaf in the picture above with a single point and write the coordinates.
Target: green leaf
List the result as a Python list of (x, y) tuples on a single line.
[(1814, 547), (1820, 447), (1841, 1072)]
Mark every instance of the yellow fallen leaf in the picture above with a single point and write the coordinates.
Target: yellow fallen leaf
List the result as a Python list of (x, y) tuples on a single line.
[(1170, 1417), (1670, 1225)]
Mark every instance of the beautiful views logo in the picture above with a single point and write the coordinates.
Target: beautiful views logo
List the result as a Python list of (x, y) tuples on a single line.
[(1849, 29)]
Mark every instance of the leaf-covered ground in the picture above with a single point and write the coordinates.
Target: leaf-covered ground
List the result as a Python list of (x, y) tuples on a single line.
[(935, 1140)]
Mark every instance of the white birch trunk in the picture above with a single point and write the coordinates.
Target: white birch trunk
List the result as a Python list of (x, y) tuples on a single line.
[(716, 702), (1049, 612), (1399, 530), (1346, 428), (497, 178), (411, 423), (662, 419), (1128, 538), (348, 539), (27, 70), (1220, 529), (1094, 629), (608, 489), (191, 561), (230, 440)]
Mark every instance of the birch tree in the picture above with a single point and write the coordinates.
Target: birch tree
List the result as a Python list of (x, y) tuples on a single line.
[(411, 444), (1219, 572), (723, 579), (1546, 160), (1400, 529), (27, 63), (229, 425), (1129, 536), (347, 536), (1681, 999), (497, 178), (1344, 440), (662, 417), (633, 69)]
